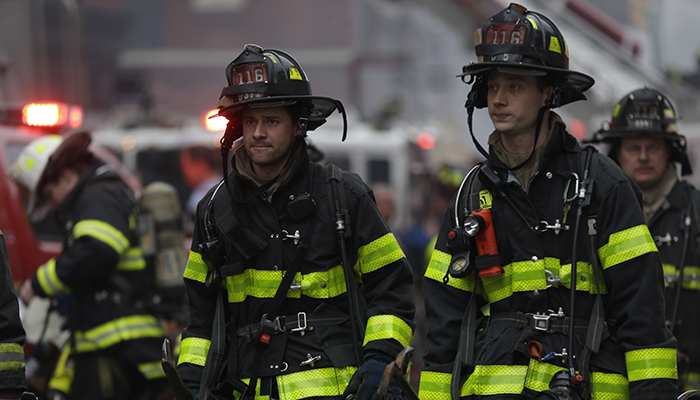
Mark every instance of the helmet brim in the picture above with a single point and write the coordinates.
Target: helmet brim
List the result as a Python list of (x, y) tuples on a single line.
[(323, 107), (575, 83)]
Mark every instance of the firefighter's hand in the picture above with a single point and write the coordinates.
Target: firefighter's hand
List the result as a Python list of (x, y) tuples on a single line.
[(365, 382), (26, 292)]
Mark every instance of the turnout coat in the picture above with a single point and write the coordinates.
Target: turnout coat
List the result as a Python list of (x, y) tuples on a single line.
[(517, 352)]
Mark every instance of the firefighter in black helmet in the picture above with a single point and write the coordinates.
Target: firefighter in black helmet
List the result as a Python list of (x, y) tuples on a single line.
[(544, 281), (297, 287), (644, 139)]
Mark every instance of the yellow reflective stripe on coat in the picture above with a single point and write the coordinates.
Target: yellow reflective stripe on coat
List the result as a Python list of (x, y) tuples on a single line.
[(655, 363), (527, 276), (103, 232), (196, 268), (388, 327), (63, 373), (437, 269), (264, 284), (691, 276), (118, 330), (378, 253), (496, 380), (314, 383), (626, 245), (194, 350), (434, 385), (11, 357), (691, 381), (152, 370), (49, 281), (131, 260)]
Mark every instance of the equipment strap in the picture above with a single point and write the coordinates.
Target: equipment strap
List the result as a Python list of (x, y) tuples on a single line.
[(295, 323), (537, 322)]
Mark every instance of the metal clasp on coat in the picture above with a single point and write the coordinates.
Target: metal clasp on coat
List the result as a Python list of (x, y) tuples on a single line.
[(296, 236), (659, 240), (544, 226), (551, 278), (277, 323), (301, 326)]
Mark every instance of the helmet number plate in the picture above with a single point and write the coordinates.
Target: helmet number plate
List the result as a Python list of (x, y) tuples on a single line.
[(506, 34), (249, 73)]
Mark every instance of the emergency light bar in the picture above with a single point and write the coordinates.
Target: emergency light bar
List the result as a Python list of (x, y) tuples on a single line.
[(52, 115), (215, 123)]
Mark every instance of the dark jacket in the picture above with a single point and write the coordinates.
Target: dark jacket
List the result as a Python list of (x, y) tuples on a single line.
[(667, 228), (12, 379), (102, 271), (257, 243), (537, 279)]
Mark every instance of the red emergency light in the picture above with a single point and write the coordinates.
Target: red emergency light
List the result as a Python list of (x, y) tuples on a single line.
[(52, 115), (215, 123), (425, 140)]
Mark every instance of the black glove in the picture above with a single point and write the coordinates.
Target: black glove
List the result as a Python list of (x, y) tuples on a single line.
[(365, 382)]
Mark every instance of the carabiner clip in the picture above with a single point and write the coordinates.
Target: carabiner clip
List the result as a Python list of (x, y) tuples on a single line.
[(576, 188)]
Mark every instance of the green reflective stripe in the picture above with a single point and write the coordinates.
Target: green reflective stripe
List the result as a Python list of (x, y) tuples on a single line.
[(314, 383), (609, 386), (194, 350), (437, 268), (691, 276), (626, 245), (324, 285), (11, 357), (196, 268), (539, 374), (152, 370), (62, 377), (264, 284), (132, 260), (651, 364), (489, 380), (388, 327), (691, 381), (527, 276), (378, 253), (49, 281), (118, 330), (103, 232), (434, 385)]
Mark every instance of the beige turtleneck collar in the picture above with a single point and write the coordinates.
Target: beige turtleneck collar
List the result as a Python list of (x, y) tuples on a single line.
[(245, 169), (654, 198), (527, 171)]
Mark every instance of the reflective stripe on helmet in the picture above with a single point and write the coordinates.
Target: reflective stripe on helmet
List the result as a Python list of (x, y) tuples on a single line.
[(49, 280), (103, 232), (194, 350), (378, 253), (626, 245), (388, 327), (118, 330), (434, 385), (655, 363)]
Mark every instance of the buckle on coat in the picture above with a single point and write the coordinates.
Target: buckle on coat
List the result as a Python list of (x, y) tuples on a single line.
[(301, 323), (539, 322)]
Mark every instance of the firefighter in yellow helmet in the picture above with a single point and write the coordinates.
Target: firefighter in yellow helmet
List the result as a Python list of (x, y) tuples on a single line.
[(114, 347), (645, 141), (545, 281), (292, 295)]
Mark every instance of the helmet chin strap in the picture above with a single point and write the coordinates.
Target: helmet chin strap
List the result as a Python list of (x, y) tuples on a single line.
[(551, 102)]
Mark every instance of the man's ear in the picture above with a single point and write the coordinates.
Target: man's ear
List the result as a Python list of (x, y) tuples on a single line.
[(548, 94)]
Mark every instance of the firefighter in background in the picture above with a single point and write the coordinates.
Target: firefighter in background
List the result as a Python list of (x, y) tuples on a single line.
[(542, 284), (272, 219), (645, 141), (114, 348), (12, 379), (201, 169)]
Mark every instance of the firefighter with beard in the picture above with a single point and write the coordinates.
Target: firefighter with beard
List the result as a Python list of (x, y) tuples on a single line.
[(114, 347), (645, 141), (297, 287), (545, 281)]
